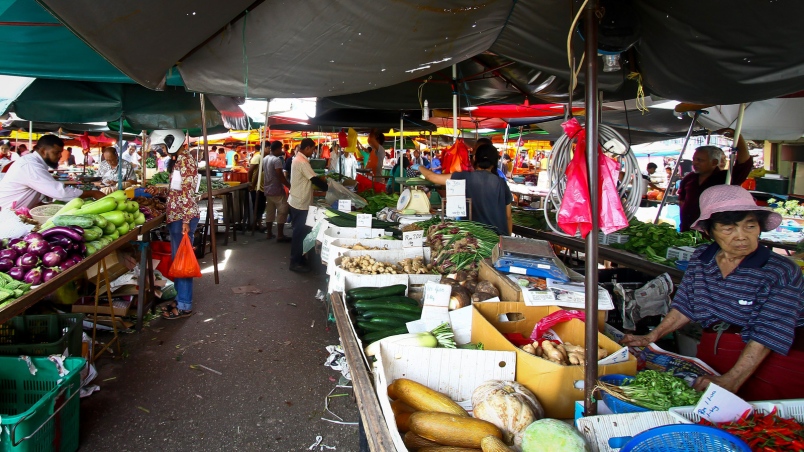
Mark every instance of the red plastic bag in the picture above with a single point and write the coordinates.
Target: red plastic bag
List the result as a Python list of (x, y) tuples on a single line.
[(185, 265), (456, 158), (553, 319), (575, 212)]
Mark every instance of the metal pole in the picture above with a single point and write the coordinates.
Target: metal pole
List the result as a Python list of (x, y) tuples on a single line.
[(120, 155), (30, 136), (590, 371), (678, 159), (738, 128), (454, 103), (401, 147), (210, 209), (259, 170)]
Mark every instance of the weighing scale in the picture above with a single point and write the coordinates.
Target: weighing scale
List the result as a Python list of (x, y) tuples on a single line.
[(413, 201)]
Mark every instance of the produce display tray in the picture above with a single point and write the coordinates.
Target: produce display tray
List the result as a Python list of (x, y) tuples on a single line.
[(793, 408), (599, 430)]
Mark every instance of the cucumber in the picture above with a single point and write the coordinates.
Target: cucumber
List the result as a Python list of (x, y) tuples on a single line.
[(369, 327), (392, 315), (377, 335), (109, 228), (390, 300), (366, 293), (93, 233), (98, 220), (73, 220), (370, 305), (390, 322)]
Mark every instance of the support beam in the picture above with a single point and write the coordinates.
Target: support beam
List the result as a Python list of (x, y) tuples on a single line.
[(213, 226)]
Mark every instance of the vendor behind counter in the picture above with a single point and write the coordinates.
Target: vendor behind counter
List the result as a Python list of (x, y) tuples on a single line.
[(748, 299), (28, 179)]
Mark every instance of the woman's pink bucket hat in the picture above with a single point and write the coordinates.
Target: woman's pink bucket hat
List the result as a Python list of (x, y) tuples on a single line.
[(732, 198)]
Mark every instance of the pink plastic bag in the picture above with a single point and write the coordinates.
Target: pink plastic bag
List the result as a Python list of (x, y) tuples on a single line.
[(554, 319), (575, 212)]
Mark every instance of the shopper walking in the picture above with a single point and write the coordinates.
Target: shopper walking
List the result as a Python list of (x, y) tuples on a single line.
[(276, 200), (182, 209), (302, 179)]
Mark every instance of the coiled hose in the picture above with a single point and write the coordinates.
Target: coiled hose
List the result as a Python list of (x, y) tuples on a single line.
[(557, 167)]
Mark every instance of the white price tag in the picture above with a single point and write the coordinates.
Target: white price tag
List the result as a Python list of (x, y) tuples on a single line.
[(456, 187), (363, 233), (338, 281), (436, 294), (456, 206), (311, 216), (325, 251), (363, 220), (720, 405), (412, 239), (345, 205)]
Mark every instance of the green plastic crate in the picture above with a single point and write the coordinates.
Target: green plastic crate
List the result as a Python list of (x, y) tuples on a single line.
[(39, 412), (42, 335)]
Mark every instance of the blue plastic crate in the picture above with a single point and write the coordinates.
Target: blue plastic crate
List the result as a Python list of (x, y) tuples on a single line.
[(616, 405), (683, 438)]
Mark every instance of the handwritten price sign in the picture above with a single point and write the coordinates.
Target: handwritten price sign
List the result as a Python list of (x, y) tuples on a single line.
[(412, 239)]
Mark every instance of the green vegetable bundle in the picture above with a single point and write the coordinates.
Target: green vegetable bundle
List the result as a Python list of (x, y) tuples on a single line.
[(150, 162), (653, 240), (216, 185), (161, 177), (11, 289), (460, 245), (654, 390), (533, 219), (378, 201)]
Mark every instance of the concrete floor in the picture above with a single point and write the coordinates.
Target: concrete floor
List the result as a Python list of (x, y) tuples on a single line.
[(269, 348)]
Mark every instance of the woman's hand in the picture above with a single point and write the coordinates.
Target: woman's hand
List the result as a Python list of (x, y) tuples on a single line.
[(729, 384), (185, 228), (632, 340)]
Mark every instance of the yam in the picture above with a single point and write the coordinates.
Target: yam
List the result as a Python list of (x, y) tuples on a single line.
[(481, 296), (487, 287)]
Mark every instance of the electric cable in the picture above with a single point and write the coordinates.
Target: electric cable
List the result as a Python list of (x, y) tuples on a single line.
[(629, 189)]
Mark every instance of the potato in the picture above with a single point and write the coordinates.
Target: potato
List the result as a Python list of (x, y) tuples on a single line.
[(487, 287)]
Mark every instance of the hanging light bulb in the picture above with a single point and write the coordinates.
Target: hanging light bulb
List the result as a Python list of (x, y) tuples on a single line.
[(426, 111), (611, 62)]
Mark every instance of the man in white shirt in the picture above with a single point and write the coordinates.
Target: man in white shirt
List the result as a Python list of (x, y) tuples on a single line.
[(28, 180), (132, 157), (302, 179)]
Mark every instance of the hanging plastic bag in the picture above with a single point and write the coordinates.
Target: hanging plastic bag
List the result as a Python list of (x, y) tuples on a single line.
[(185, 265), (576, 211), (337, 192), (551, 320), (612, 216)]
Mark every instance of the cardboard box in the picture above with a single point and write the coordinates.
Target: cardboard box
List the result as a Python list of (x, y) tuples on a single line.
[(455, 373), (117, 264), (557, 387), (342, 280), (121, 305), (509, 291), (333, 249)]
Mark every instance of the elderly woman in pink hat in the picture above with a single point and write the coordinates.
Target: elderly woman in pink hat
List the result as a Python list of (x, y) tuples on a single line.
[(749, 300)]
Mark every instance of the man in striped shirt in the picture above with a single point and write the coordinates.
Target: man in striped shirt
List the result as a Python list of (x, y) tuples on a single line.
[(749, 300)]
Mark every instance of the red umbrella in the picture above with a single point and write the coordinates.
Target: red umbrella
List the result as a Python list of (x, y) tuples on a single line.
[(466, 122), (521, 111)]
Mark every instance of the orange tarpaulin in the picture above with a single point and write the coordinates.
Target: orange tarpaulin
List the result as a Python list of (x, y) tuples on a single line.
[(456, 158)]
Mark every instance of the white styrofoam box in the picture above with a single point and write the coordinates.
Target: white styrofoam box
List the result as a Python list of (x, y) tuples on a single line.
[(687, 414), (608, 239), (455, 373), (342, 280), (680, 253), (334, 232), (353, 280), (599, 429), (330, 250)]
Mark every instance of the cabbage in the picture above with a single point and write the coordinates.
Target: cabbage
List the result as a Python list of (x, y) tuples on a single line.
[(551, 435)]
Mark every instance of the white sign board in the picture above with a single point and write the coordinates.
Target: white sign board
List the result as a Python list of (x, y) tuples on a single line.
[(412, 239), (311, 216), (456, 187), (363, 220), (720, 405), (345, 205), (436, 301), (456, 206)]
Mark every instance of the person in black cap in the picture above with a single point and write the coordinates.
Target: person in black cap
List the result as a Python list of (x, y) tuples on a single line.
[(490, 195)]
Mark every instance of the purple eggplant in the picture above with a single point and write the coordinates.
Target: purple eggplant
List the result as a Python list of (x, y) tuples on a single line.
[(17, 273), (27, 261), (33, 236), (77, 229), (33, 276), (61, 241), (6, 264), (21, 246), (64, 231), (10, 253), (39, 247), (12, 242), (70, 261), (50, 273), (60, 251), (51, 259)]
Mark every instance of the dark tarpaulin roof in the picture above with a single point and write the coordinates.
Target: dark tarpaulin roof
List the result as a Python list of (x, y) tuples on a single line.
[(714, 52)]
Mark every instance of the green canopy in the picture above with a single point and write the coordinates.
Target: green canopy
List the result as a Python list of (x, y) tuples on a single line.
[(61, 101), (36, 44)]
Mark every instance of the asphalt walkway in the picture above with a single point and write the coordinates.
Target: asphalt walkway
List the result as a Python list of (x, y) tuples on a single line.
[(263, 383)]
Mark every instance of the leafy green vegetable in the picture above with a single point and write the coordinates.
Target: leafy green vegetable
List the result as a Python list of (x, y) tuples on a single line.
[(161, 177), (378, 201), (150, 162), (655, 390), (653, 240)]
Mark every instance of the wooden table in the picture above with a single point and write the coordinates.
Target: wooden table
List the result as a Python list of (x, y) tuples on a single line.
[(232, 218), (379, 438), (24, 302), (605, 252)]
